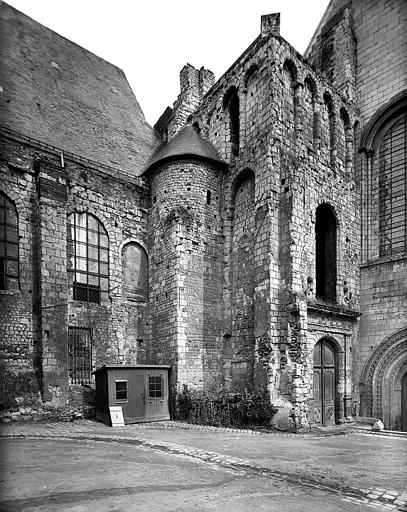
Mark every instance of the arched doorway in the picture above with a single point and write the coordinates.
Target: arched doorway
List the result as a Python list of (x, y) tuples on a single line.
[(324, 384), (383, 385), (404, 403)]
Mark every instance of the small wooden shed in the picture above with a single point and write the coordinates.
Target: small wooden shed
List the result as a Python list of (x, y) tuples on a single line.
[(140, 390)]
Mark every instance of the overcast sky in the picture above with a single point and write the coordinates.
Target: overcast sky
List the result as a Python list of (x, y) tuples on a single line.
[(151, 40)]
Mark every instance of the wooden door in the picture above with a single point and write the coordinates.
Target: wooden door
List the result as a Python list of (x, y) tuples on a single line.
[(324, 384), (137, 396), (404, 403), (156, 394)]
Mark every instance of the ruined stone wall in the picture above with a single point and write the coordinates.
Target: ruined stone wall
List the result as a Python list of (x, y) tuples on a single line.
[(186, 250), (194, 85), (295, 136), (333, 52)]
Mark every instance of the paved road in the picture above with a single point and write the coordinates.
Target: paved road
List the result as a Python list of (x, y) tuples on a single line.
[(77, 476), (201, 468)]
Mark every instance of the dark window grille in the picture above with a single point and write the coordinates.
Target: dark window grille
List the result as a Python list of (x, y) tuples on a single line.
[(155, 386), (80, 355), (121, 390), (90, 258), (9, 249), (393, 189)]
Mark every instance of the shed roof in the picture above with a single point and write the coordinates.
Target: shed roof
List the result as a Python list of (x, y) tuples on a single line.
[(187, 143), (132, 366), (63, 95)]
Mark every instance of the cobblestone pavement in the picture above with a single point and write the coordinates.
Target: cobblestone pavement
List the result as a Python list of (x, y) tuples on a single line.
[(153, 436)]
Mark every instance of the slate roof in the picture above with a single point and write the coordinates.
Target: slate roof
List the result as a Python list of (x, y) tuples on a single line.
[(53, 90), (187, 143)]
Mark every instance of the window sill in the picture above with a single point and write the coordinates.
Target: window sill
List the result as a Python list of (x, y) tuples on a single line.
[(384, 259), (332, 309)]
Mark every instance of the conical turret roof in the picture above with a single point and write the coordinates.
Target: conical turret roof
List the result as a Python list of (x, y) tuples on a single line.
[(187, 143)]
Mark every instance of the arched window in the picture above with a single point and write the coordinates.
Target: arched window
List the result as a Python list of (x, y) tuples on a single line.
[(90, 258), (393, 189), (289, 103), (252, 100), (329, 127), (343, 129), (325, 253), (309, 114), (231, 104), (135, 272), (8, 244)]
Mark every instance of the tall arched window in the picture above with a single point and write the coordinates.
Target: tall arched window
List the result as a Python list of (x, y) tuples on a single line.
[(289, 103), (329, 127), (343, 128), (325, 253), (393, 189), (135, 272), (231, 104), (309, 112), (90, 258), (252, 100), (8, 244)]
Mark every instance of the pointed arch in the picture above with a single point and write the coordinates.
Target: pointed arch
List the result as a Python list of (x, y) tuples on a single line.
[(381, 380)]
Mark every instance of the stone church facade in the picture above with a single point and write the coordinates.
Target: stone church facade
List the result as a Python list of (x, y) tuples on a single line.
[(255, 238)]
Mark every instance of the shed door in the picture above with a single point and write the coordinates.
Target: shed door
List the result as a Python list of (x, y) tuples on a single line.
[(404, 403), (324, 384), (157, 394), (137, 396)]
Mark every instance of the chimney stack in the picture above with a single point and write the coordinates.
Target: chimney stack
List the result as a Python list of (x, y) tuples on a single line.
[(270, 24)]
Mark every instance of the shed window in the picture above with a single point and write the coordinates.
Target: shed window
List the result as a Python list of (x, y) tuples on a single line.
[(325, 242), (121, 390), (80, 355), (155, 386), (8, 244), (90, 258)]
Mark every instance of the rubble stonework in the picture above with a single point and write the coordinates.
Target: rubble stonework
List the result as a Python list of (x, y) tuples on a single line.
[(255, 212)]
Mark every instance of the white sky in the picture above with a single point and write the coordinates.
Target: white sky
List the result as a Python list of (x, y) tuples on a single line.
[(151, 40)]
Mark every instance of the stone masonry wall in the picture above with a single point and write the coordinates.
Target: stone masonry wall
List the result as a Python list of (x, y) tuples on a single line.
[(36, 318), (18, 315), (381, 53), (186, 250), (296, 168)]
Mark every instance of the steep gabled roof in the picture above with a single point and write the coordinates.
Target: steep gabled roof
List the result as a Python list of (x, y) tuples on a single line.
[(55, 91), (187, 143)]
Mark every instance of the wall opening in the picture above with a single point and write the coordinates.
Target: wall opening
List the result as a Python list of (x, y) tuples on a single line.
[(80, 355), (231, 103), (325, 253)]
